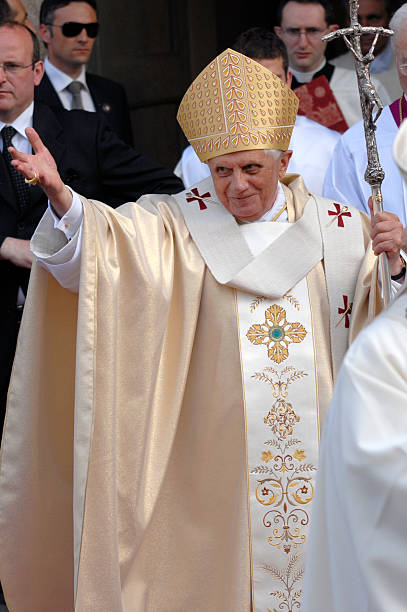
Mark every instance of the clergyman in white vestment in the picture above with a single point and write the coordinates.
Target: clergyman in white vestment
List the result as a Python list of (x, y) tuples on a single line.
[(357, 554), (344, 179), (161, 439)]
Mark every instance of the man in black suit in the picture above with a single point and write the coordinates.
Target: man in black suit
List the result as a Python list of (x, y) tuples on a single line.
[(69, 29), (93, 161)]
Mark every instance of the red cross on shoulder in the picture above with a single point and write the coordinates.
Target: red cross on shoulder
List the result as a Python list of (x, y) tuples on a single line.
[(194, 196), (339, 213)]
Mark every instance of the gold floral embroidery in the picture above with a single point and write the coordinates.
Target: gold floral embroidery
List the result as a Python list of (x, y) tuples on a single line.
[(299, 455), (276, 333), (267, 456), (286, 486)]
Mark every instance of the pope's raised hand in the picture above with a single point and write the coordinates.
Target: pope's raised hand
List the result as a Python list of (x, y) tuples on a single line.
[(42, 166)]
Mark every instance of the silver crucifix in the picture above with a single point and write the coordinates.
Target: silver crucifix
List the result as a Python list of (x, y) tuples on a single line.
[(370, 103)]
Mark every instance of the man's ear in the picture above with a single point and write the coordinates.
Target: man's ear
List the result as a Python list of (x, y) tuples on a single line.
[(45, 33), (284, 161), (38, 72), (289, 78), (277, 30)]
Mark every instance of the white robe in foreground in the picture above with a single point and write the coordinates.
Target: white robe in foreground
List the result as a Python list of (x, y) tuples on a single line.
[(357, 550), (344, 181), (312, 146)]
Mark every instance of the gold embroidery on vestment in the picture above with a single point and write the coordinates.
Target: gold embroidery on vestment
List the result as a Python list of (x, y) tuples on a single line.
[(276, 333)]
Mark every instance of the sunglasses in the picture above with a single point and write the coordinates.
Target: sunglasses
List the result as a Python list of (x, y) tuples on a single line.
[(70, 29)]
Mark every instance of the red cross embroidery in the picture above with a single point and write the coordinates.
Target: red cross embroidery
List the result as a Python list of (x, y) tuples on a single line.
[(345, 311), (340, 212), (199, 198)]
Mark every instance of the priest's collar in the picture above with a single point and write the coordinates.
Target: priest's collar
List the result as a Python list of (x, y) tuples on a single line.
[(306, 77)]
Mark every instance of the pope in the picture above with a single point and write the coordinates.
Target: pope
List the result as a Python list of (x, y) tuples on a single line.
[(161, 439)]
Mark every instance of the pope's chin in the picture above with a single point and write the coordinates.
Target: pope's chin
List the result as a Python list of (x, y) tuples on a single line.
[(245, 209)]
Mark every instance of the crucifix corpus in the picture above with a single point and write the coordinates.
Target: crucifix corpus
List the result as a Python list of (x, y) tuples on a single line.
[(370, 103)]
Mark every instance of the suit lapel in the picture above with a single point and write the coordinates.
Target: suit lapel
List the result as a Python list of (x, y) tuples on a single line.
[(7, 193), (101, 104), (46, 94)]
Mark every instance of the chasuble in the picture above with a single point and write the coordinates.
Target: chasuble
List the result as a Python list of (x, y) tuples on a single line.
[(161, 439)]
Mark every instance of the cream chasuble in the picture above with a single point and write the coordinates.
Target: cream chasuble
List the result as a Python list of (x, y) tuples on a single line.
[(160, 443)]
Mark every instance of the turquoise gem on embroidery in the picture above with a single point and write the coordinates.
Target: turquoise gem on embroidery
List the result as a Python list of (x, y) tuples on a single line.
[(276, 333)]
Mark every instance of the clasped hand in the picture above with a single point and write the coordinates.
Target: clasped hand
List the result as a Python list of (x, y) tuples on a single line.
[(387, 235)]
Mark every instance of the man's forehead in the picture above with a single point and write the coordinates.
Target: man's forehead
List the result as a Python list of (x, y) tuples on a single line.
[(294, 13), (16, 36), (401, 41), (239, 158), (368, 7)]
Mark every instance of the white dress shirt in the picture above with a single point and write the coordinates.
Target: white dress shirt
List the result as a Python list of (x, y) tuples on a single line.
[(20, 140), (60, 81)]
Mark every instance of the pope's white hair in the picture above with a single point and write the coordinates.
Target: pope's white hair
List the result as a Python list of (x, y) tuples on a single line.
[(397, 22), (276, 153)]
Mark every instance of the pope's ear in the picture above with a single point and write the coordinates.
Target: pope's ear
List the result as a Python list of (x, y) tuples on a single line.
[(284, 161)]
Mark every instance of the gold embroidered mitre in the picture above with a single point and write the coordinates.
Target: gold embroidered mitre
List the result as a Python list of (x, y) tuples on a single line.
[(236, 104)]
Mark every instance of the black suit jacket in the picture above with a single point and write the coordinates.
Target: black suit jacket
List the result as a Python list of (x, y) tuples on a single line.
[(94, 162), (108, 96)]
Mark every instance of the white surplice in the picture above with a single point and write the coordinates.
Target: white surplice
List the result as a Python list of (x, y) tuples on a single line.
[(344, 179), (356, 557)]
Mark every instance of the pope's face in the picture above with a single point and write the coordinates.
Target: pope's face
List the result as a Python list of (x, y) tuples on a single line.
[(246, 181), (302, 26)]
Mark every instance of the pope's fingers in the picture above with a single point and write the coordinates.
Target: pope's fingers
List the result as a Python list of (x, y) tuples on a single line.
[(385, 243), (18, 155), (35, 140), (26, 168), (384, 227)]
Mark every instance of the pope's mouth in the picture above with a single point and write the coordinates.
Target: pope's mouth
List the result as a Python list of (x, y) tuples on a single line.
[(241, 199)]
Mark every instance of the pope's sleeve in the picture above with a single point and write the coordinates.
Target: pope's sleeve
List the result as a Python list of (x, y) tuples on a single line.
[(56, 244), (358, 540), (343, 180)]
